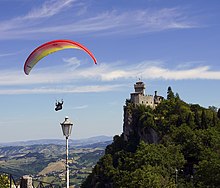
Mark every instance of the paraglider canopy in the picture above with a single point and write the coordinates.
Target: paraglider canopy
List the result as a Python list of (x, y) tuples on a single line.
[(51, 47)]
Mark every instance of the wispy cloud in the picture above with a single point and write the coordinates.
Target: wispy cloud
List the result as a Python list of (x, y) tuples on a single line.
[(108, 77), (2, 54), (48, 9), (101, 23), (9, 54), (133, 22), (80, 107), (73, 62), (52, 90), (15, 27)]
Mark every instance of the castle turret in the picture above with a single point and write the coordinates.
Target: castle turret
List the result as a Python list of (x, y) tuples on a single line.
[(139, 87), (139, 97)]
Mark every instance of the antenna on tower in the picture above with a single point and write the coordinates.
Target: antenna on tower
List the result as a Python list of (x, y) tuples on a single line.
[(139, 78)]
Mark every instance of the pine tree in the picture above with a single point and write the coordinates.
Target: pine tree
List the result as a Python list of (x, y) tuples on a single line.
[(190, 120), (214, 120), (170, 94), (197, 119), (218, 114), (203, 120)]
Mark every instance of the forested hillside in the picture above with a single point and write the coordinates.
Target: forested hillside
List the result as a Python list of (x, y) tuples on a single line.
[(187, 153)]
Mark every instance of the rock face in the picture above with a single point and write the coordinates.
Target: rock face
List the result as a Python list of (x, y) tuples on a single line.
[(130, 126), (128, 123), (149, 135)]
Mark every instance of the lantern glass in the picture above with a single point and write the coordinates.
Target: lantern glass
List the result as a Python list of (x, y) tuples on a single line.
[(66, 127)]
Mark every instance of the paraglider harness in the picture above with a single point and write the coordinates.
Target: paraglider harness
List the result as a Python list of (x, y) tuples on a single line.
[(59, 105)]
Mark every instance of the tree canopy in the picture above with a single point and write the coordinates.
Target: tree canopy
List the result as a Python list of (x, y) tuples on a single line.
[(4, 181)]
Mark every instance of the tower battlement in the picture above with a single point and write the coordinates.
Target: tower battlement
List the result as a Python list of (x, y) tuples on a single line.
[(139, 97)]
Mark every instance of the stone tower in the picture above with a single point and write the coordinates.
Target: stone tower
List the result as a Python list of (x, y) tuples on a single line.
[(139, 87), (137, 98)]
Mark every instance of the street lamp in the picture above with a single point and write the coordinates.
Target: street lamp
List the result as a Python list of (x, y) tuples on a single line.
[(176, 171), (67, 128)]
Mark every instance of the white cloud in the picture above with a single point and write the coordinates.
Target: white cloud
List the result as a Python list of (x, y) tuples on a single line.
[(202, 72), (107, 77), (147, 70)]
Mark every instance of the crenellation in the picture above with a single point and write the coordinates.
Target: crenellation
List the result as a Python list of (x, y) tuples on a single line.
[(138, 97)]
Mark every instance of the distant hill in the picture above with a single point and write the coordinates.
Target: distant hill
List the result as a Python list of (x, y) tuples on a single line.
[(78, 142), (44, 159)]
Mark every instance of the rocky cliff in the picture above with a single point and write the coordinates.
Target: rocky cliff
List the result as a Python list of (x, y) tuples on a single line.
[(130, 126)]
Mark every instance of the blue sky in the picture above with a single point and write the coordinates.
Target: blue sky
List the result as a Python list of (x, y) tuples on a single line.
[(164, 42)]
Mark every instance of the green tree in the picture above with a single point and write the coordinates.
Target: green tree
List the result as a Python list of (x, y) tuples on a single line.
[(213, 108), (203, 120), (170, 94), (189, 143), (208, 171), (103, 173), (218, 113), (177, 96), (214, 119), (197, 119), (152, 165), (4, 181), (117, 145), (190, 120), (157, 154), (146, 177)]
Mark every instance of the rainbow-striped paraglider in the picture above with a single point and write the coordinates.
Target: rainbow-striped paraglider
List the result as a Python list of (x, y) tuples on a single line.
[(51, 47)]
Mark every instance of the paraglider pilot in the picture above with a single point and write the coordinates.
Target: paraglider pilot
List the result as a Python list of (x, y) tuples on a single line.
[(59, 105)]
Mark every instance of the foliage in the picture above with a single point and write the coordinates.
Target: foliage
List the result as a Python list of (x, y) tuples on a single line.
[(186, 155), (151, 165), (4, 181), (170, 94)]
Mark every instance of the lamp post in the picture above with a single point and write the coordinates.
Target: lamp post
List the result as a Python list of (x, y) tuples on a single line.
[(67, 128), (176, 172)]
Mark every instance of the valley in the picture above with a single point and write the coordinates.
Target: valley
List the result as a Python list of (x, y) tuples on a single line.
[(46, 162)]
